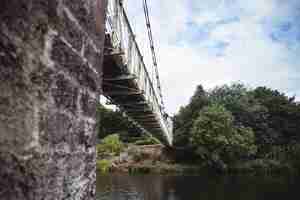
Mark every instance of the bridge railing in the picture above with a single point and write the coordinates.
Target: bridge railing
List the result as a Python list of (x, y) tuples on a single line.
[(123, 40)]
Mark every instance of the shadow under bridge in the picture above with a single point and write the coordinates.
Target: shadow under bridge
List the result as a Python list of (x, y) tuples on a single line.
[(126, 81)]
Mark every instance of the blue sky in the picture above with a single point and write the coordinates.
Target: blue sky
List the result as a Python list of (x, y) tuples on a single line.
[(213, 42)]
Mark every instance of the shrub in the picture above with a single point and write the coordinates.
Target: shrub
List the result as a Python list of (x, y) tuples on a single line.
[(110, 144), (103, 166)]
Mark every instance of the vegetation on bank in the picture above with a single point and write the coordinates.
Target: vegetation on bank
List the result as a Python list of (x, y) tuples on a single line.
[(140, 156), (103, 166), (110, 149), (229, 128), (215, 137), (110, 145), (110, 122), (233, 124)]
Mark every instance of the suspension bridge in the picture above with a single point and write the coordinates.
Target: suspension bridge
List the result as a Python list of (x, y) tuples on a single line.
[(126, 80)]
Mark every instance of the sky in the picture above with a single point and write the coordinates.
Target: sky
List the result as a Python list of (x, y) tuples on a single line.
[(215, 42)]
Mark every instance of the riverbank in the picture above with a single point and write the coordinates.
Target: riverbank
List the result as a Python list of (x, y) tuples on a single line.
[(144, 159), (158, 159)]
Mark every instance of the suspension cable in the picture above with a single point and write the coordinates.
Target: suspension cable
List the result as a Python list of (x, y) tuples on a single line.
[(148, 25)]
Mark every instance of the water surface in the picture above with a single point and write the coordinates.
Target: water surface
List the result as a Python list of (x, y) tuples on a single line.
[(156, 187)]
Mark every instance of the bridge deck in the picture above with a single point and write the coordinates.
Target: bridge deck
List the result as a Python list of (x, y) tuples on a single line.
[(123, 89), (126, 81)]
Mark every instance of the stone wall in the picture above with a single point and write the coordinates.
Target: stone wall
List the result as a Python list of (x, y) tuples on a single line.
[(50, 80)]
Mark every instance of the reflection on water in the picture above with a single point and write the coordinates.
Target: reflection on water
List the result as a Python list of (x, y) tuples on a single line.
[(155, 187)]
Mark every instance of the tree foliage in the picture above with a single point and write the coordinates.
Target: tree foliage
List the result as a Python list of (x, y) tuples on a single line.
[(109, 122), (215, 131), (183, 121), (265, 116), (283, 114)]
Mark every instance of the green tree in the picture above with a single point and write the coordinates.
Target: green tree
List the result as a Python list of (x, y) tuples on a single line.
[(109, 121), (284, 115), (263, 115), (215, 135), (183, 121)]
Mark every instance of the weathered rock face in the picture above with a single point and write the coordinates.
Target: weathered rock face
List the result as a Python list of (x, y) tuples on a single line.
[(50, 80)]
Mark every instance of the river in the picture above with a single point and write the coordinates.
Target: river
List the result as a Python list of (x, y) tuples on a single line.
[(206, 187)]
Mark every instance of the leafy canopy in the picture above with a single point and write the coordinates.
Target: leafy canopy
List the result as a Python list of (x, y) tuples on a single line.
[(215, 132)]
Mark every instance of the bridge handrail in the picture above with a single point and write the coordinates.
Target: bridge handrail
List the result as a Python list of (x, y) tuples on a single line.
[(124, 39)]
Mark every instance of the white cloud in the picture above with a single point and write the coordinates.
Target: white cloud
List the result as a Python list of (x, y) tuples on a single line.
[(251, 56)]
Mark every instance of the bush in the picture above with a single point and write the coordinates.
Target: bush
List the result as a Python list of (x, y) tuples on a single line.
[(103, 166), (110, 144)]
